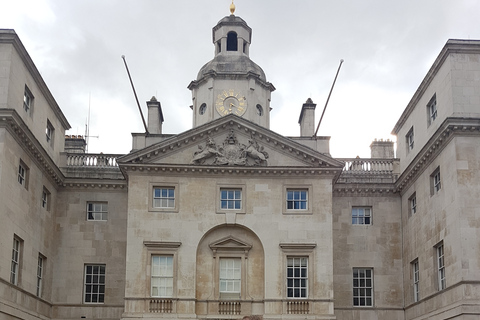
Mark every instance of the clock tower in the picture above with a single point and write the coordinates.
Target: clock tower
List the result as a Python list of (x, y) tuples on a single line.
[(231, 82)]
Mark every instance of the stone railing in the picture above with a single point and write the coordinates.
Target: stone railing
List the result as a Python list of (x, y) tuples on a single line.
[(298, 307), (368, 165), (161, 306), (92, 160), (229, 307)]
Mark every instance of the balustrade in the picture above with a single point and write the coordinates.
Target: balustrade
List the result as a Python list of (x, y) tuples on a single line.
[(298, 307), (92, 160), (368, 165), (229, 307), (161, 306)]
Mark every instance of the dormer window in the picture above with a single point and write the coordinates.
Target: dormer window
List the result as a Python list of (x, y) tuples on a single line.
[(232, 44)]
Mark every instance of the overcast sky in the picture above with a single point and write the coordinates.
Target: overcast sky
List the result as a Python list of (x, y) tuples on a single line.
[(388, 47)]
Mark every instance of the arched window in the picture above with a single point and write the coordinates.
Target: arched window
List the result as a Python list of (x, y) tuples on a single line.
[(259, 110), (232, 41), (202, 109)]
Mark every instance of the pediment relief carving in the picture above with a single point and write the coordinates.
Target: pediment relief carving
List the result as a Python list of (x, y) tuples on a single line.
[(231, 152)]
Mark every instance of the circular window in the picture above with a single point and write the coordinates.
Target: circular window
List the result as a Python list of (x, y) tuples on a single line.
[(259, 110), (202, 109)]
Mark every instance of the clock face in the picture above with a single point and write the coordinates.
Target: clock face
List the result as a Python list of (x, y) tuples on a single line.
[(231, 101)]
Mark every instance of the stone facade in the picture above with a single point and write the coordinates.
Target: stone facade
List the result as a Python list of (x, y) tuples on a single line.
[(230, 219)]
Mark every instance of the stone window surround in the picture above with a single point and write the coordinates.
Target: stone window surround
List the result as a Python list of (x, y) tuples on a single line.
[(50, 133), (161, 248), (410, 139), (370, 216), (371, 287), (412, 204), (415, 280), (440, 265), (46, 198), (223, 186), (40, 273), (297, 187), (435, 181), (151, 188), (23, 174), (298, 250), (16, 261), (432, 110), (104, 213), (28, 100), (92, 283)]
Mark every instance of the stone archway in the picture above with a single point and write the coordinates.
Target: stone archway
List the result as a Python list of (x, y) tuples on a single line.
[(222, 249)]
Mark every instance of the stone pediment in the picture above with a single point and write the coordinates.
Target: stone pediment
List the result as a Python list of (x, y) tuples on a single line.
[(230, 141), (229, 244)]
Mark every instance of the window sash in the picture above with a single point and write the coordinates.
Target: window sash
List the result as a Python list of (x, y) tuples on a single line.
[(297, 199), (297, 277), (15, 261), (164, 197), (39, 275), (97, 211), (27, 101), (432, 110), (361, 215), (21, 174), (413, 205), (416, 282), (94, 286), (362, 287), (231, 199), (230, 275), (410, 140), (162, 276), (441, 268), (437, 184)]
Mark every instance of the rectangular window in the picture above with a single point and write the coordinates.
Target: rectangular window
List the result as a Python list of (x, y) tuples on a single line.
[(432, 109), (49, 132), (15, 268), (416, 281), (40, 264), (162, 276), (27, 100), (410, 139), (361, 215), (362, 287), (413, 203), (297, 277), (46, 199), (435, 181), (231, 199), (230, 277), (441, 267), (23, 174), (297, 199), (164, 197), (94, 283), (97, 210)]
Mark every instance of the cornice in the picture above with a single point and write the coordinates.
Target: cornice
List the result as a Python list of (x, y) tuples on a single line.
[(304, 172), (10, 37), (231, 76), (450, 128), (452, 46), (105, 185), (365, 190), (14, 124)]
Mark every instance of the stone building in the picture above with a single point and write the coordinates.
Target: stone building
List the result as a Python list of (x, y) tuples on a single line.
[(229, 218)]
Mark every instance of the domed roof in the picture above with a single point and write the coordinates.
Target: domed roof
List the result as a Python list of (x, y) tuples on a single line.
[(231, 19), (231, 65)]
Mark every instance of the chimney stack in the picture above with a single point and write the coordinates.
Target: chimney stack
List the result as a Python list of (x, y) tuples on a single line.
[(155, 116), (307, 119)]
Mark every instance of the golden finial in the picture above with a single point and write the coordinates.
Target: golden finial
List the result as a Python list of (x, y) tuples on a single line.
[(232, 7)]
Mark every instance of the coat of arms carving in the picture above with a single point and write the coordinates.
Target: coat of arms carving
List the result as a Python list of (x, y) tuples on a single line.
[(231, 152)]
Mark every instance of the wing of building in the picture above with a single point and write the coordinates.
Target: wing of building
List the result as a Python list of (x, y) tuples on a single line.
[(230, 219)]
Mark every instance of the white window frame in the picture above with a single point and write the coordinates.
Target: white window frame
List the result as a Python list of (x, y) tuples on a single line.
[(432, 109), (162, 269), (230, 277), (410, 138), (40, 268), (161, 248), (231, 187), (23, 172), (96, 279), (362, 285), (436, 181), (28, 101), (49, 133), (413, 203), (440, 257), (361, 215), (230, 199), (16, 259), (416, 280), (298, 251), (166, 185), (161, 199), (97, 211), (297, 199), (46, 199), (297, 277), (297, 188)]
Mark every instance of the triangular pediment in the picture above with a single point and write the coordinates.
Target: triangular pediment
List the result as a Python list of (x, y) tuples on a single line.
[(230, 244), (230, 141)]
